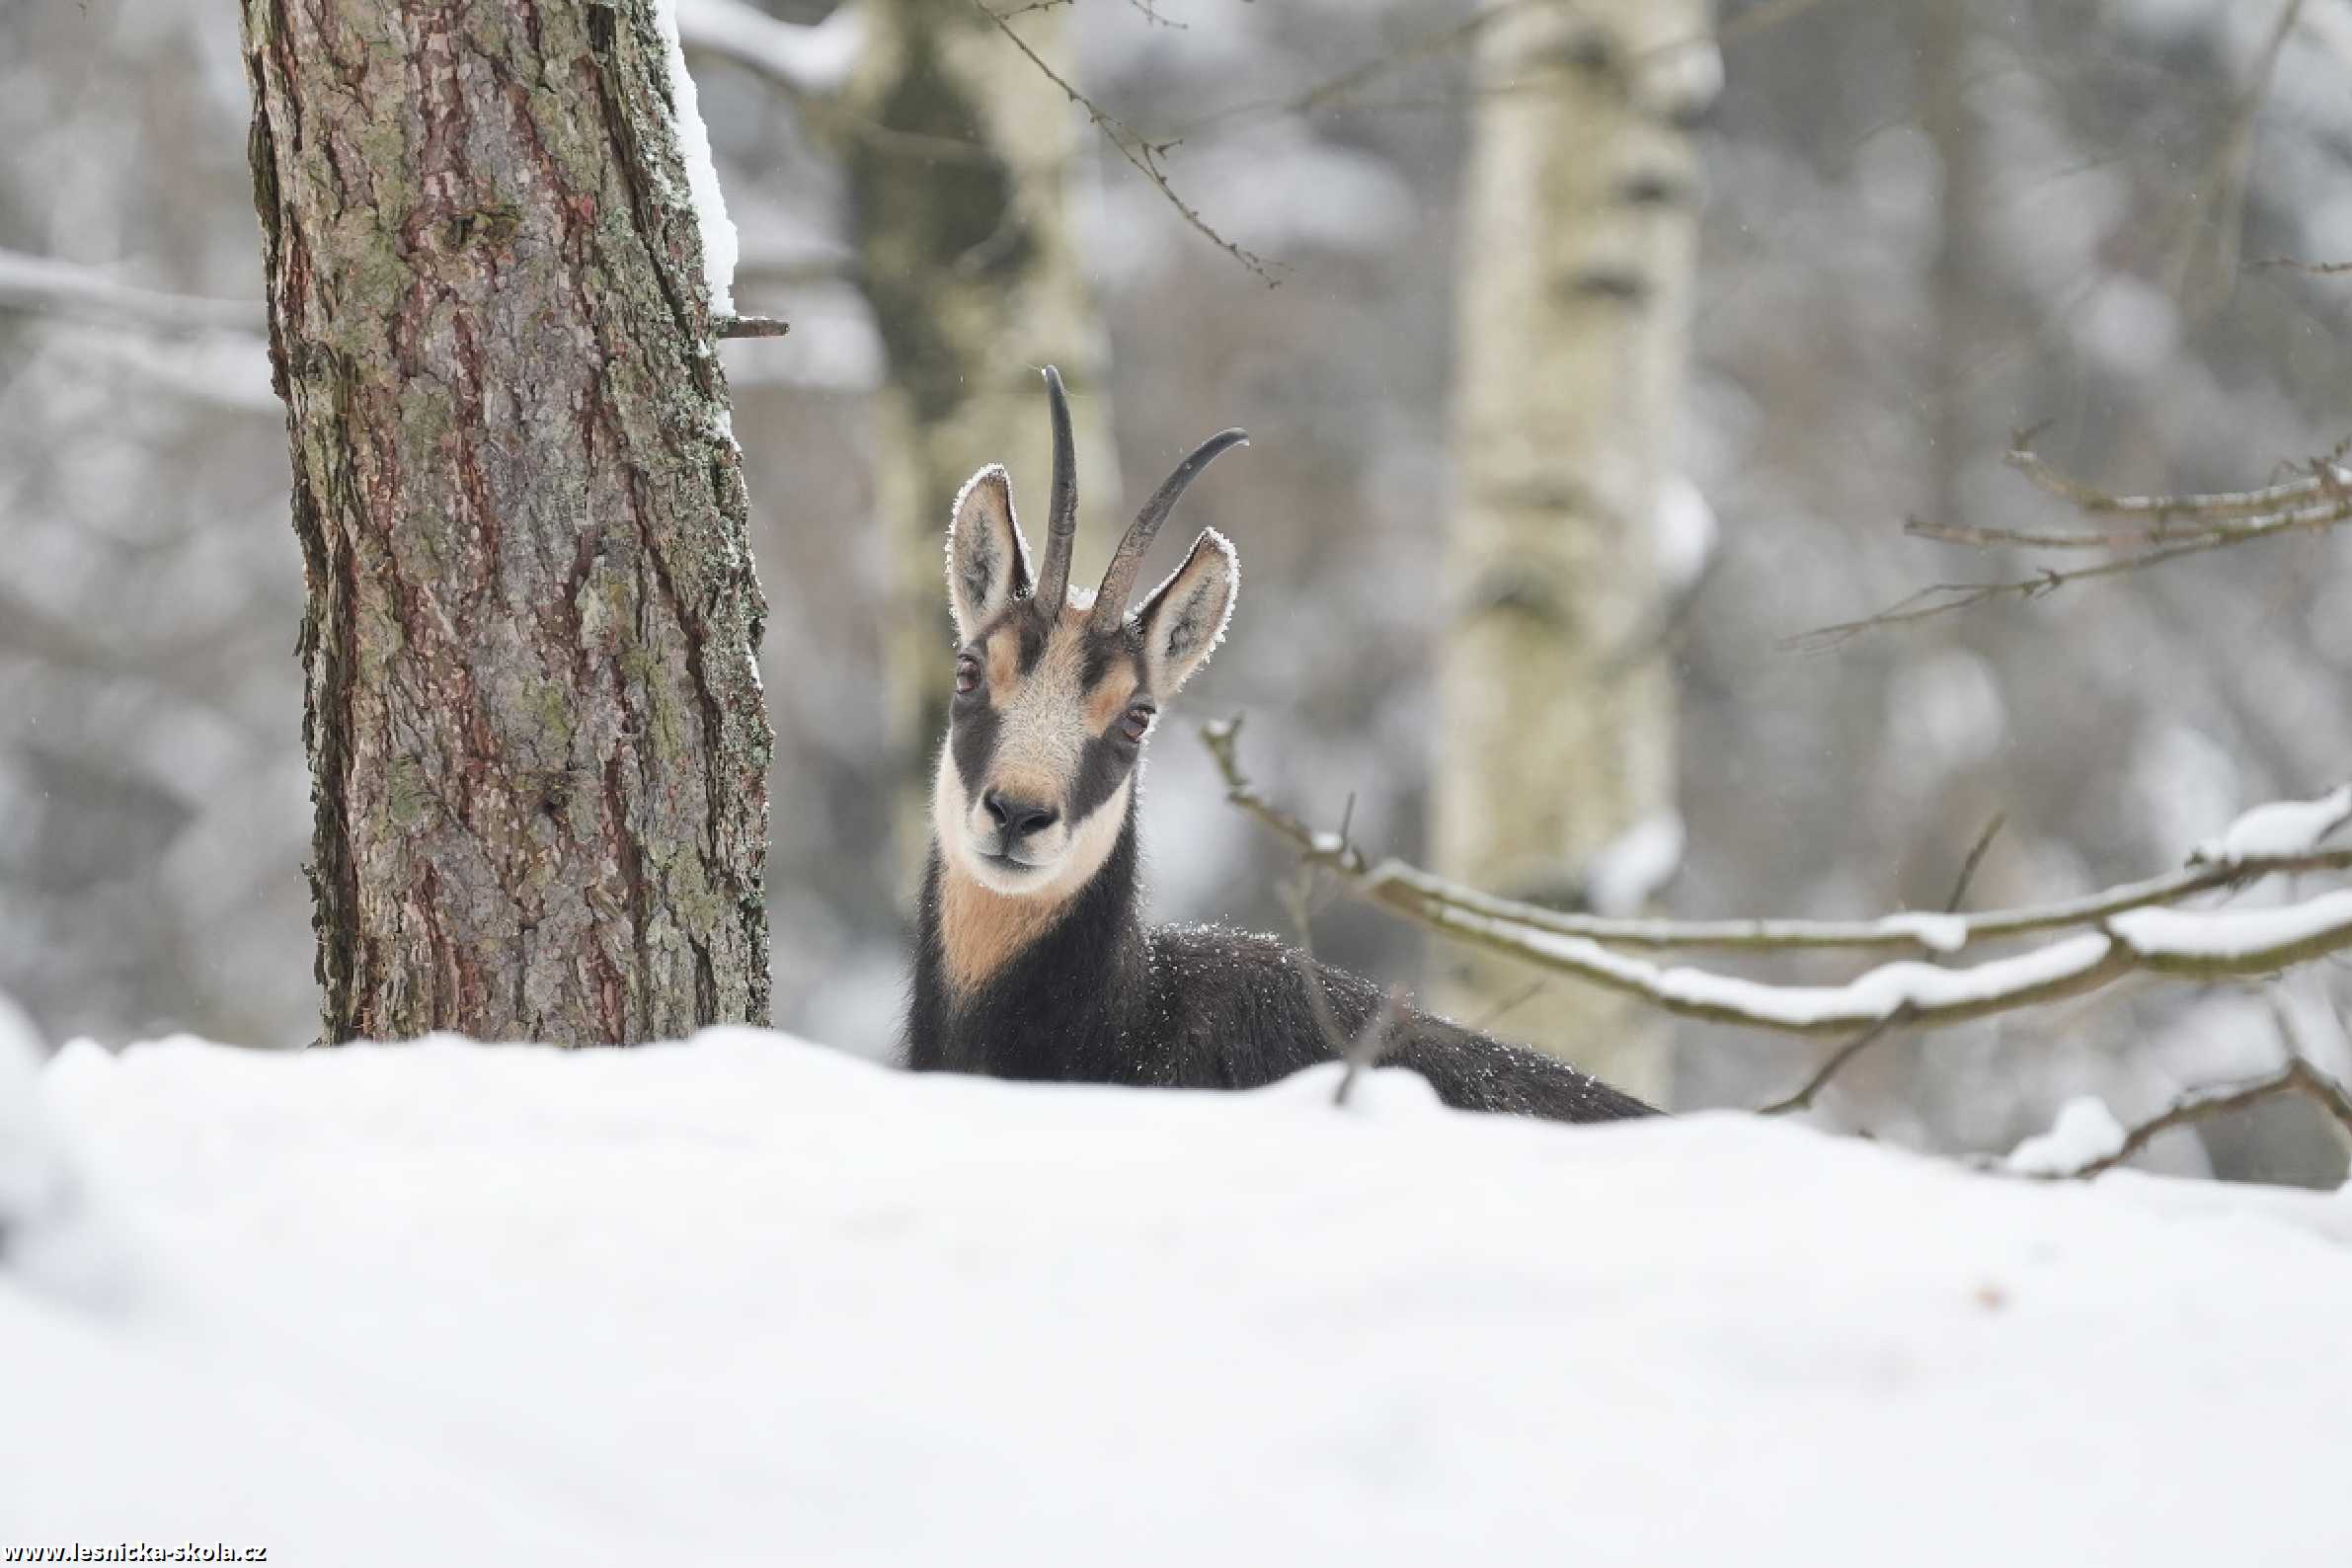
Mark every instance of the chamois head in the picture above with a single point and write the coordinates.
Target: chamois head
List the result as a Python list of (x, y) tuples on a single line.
[(1056, 689)]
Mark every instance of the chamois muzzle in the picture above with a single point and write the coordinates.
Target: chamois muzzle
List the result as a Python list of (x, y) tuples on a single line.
[(1015, 820)]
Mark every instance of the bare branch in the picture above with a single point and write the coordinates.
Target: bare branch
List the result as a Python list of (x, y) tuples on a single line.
[(2319, 497), (1973, 858), (1336, 90), (750, 326), (1141, 152), (1838, 1059), (2294, 264), (1946, 597), (1803, 1098), (2323, 477)]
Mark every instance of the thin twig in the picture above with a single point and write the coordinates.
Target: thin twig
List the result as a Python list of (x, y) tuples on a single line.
[(1974, 859), (1803, 1098), (1298, 897), (1495, 1014), (1335, 90), (1371, 1041), (1943, 598), (2319, 497), (1141, 153)]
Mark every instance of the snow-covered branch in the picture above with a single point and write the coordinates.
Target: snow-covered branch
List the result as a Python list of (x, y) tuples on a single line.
[(815, 60), (2121, 931), (2087, 1139), (2272, 840)]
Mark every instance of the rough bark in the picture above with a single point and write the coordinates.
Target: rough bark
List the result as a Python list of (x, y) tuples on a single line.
[(1557, 734), (536, 736), (961, 182)]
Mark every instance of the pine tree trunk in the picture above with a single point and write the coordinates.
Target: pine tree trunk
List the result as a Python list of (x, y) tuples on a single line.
[(972, 270), (538, 743), (1557, 734)]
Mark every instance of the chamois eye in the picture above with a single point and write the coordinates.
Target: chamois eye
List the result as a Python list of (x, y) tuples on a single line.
[(968, 673), (1135, 722)]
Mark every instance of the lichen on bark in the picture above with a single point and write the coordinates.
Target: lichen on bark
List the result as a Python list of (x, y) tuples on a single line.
[(537, 740)]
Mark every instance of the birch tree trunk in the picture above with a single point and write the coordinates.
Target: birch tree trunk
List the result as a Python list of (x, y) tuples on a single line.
[(1944, 32), (538, 743), (967, 255), (1557, 735)]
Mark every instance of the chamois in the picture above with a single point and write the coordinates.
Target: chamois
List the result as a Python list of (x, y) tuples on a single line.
[(1031, 960)]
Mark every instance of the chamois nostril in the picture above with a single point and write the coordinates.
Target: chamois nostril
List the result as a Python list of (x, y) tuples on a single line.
[(1017, 819)]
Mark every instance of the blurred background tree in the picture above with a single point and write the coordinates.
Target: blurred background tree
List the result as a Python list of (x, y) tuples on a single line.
[(960, 196), (1581, 204), (1908, 247)]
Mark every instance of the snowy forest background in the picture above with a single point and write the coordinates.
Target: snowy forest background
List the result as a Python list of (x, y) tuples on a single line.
[(1925, 225)]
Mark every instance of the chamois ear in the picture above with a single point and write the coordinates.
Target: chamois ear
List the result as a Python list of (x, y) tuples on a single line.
[(988, 560), (1184, 619)]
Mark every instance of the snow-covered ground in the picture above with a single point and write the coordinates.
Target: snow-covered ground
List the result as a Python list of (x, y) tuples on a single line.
[(748, 1301)]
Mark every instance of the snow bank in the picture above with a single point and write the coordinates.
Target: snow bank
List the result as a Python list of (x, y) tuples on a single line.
[(746, 1300), (53, 1241)]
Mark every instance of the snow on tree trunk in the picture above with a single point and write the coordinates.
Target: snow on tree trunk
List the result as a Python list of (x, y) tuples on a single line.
[(970, 261), (1557, 734), (538, 743)]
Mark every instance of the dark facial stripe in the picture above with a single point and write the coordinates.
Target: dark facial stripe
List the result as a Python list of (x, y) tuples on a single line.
[(1102, 766), (971, 737), (1103, 653), (1033, 641)]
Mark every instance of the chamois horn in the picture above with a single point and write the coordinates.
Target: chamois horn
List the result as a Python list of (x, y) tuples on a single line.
[(1118, 578), (1062, 517)]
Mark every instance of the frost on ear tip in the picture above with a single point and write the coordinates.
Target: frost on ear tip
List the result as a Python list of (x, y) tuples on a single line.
[(1225, 547), (955, 515), (993, 471)]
